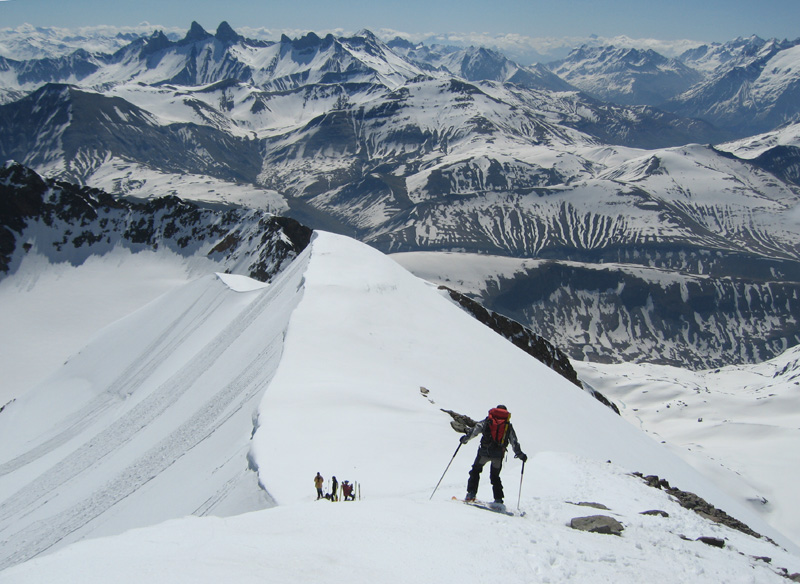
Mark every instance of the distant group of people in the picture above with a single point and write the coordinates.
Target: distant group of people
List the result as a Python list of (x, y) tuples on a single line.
[(347, 489)]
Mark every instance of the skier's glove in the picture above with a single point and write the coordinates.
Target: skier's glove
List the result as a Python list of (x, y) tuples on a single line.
[(464, 439), (522, 456)]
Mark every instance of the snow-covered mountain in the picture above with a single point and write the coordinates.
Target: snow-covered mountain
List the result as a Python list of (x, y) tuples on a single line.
[(49, 130), (755, 92), (756, 146), (613, 313), (777, 151), (226, 395), (605, 229), (349, 135), (27, 42), (713, 56), (202, 58), (624, 75), (478, 64), (745, 86), (65, 223)]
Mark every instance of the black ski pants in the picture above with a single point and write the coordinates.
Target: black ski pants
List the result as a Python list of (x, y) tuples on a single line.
[(494, 475)]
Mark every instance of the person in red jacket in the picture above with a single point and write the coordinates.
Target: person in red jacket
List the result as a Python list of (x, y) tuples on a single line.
[(347, 491), (497, 434)]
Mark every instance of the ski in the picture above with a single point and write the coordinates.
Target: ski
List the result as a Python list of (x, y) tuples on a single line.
[(493, 507)]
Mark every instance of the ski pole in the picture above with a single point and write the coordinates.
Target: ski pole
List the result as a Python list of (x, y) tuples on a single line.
[(445, 471), (521, 474)]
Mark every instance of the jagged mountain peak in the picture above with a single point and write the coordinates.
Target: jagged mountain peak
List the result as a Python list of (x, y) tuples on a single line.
[(612, 56), (158, 41), (310, 41), (405, 44), (748, 45), (196, 33), (367, 34), (226, 34)]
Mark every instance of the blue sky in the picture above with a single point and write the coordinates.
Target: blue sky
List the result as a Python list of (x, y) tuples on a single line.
[(702, 20)]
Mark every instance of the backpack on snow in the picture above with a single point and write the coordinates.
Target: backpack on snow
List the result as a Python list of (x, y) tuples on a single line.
[(497, 426)]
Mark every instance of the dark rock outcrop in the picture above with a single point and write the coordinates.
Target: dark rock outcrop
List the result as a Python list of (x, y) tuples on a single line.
[(712, 541), (69, 223), (695, 503), (655, 513)]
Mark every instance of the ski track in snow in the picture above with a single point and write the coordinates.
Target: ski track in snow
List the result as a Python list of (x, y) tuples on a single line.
[(157, 353), (43, 534)]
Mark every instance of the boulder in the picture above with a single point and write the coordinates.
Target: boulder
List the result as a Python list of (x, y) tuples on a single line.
[(597, 524)]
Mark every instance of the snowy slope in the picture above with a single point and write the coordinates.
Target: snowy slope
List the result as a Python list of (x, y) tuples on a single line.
[(158, 405), (738, 420), (53, 310), (323, 368), (754, 146), (397, 540)]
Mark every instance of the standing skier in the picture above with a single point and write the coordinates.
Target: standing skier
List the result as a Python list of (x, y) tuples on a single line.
[(334, 489), (318, 480), (497, 434)]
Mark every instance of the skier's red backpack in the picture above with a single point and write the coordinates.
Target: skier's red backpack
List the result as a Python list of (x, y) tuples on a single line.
[(497, 425)]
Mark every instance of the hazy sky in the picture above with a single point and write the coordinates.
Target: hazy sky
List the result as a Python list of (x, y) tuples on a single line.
[(702, 20)]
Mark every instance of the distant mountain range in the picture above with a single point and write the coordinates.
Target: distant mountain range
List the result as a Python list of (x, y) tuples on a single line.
[(745, 86), (431, 148)]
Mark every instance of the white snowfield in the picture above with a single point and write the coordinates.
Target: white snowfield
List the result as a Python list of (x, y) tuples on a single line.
[(171, 418), (738, 421)]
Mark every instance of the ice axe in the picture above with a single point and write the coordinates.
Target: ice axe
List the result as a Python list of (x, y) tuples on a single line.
[(521, 474)]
